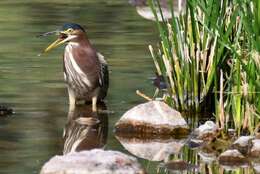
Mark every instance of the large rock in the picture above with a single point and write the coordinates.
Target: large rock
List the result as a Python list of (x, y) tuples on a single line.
[(153, 117), (152, 149), (92, 162), (255, 150)]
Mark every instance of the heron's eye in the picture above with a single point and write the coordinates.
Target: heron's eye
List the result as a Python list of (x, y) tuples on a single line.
[(70, 30)]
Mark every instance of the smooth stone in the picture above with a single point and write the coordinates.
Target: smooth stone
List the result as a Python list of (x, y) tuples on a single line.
[(153, 117), (207, 131), (232, 158), (255, 150), (95, 161), (242, 144), (152, 150), (145, 11)]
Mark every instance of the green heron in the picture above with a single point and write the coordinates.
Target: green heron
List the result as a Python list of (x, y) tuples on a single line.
[(85, 70)]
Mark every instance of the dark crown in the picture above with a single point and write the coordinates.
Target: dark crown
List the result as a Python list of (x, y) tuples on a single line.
[(73, 26)]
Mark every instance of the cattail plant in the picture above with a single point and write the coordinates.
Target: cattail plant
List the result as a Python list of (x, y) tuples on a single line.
[(212, 51)]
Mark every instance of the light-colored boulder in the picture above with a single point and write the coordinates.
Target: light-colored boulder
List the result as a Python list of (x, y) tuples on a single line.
[(96, 161), (154, 117)]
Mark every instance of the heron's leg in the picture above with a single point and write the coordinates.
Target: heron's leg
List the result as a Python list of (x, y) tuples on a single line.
[(72, 99), (94, 104)]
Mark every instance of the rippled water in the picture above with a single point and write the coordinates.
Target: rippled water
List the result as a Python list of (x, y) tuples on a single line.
[(34, 85)]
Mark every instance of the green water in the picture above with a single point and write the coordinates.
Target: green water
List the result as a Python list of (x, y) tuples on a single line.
[(33, 86)]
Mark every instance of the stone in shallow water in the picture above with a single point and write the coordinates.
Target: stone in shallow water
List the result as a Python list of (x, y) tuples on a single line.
[(255, 150), (207, 131), (232, 158), (242, 144), (142, 8), (153, 117), (95, 161)]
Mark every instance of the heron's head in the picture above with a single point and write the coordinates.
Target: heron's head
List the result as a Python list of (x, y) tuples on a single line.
[(70, 32)]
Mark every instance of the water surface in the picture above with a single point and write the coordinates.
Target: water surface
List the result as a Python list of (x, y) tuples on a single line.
[(34, 85)]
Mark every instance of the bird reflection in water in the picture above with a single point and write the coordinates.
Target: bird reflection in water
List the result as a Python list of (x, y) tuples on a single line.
[(85, 129)]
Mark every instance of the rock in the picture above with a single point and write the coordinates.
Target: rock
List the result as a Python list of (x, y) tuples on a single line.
[(5, 111), (92, 162), (154, 117), (208, 131), (145, 11), (255, 150), (152, 149), (242, 144), (232, 158)]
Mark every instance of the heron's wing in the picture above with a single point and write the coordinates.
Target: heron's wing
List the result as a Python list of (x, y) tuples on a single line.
[(104, 75)]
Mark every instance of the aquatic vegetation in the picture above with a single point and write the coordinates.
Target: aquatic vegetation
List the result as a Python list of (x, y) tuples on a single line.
[(210, 54)]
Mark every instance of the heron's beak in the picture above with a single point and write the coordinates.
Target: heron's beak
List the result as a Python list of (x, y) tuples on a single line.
[(63, 37)]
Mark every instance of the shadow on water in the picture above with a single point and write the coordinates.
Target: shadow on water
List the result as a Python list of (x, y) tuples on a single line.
[(85, 130)]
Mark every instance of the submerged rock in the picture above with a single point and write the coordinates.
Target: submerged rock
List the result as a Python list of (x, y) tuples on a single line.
[(154, 117), (92, 162), (152, 149), (255, 150), (232, 158), (242, 144), (4, 111), (208, 155), (180, 165)]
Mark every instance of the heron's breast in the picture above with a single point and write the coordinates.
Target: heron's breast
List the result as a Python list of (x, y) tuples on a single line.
[(75, 76)]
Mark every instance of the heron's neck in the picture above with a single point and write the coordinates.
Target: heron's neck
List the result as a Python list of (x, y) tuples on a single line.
[(80, 42)]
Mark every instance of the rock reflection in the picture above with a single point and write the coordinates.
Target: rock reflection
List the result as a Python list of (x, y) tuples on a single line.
[(85, 130), (151, 148)]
